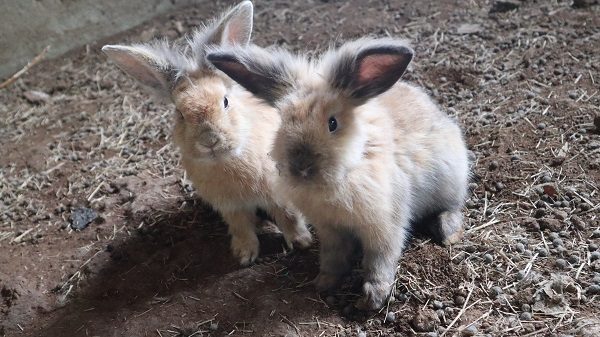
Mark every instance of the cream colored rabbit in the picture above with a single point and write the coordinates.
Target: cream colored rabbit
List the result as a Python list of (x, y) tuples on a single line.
[(223, 132), (361, 155)]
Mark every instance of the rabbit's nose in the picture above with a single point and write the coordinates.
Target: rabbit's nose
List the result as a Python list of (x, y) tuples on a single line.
[(302, 162), (208, 139)]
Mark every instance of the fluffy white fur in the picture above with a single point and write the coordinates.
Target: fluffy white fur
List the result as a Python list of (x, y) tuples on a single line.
[(395, 159), (223, 132)]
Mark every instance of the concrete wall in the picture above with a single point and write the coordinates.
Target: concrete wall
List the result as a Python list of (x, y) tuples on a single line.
[(27, 26)]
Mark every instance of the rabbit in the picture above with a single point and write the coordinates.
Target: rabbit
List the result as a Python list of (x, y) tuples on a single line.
[(223, 132), (365, 157)]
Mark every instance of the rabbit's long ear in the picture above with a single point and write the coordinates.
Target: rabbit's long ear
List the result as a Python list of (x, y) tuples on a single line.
[(366, 68), (153, 65), (266, 74), (234, 27)]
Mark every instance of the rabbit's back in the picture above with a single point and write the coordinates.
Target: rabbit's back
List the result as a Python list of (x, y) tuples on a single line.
[(428, 147)]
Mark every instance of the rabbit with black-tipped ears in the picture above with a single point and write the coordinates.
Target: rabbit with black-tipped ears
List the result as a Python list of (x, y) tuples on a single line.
[(363, 156), (223, 132)]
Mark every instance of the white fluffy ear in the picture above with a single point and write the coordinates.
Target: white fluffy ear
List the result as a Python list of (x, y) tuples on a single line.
[(154, 66), (235, 27)]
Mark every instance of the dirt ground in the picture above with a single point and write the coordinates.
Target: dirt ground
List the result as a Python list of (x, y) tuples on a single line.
[(522, 79)]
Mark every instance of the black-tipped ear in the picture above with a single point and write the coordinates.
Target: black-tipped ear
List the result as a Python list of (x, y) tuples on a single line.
[(371, 70), (263, 80)]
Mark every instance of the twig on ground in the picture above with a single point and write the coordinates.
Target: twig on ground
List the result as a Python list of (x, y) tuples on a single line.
[(28, 66)]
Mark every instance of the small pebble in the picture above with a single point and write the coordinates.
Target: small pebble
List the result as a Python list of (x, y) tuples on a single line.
[(459, 300), (495, 291), (595, 256), (488, 258), (557, 242), (540, 212), (471, 330), (596, 234), (542, 252), (594, 289), (493, 165), (546, 178), (526, 307), (519, 247), (541, 126), (390, 317), (402, 297), (573, 259), (573, 94), (525, 316), (561, 250), (561, 263), (592, 247), (438, 305), (82, 217)]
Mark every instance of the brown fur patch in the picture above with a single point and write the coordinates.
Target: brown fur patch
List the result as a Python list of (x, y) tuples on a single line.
[(195, 105)]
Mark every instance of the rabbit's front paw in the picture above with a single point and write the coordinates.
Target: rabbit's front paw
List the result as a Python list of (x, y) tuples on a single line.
[(374, 295), (301, 240), (245, 249), (325, 281)]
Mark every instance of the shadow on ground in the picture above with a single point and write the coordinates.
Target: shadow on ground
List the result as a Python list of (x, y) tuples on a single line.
[(177, 275)]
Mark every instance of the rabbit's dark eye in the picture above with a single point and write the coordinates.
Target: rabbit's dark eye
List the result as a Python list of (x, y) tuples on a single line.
[(225, 102), (333, 124)]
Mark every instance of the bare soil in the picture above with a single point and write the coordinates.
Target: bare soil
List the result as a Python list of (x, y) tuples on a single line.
[(522, 79)]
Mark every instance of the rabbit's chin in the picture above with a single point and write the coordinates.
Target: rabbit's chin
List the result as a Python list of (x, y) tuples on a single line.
[(217, 155), (321, 179)]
